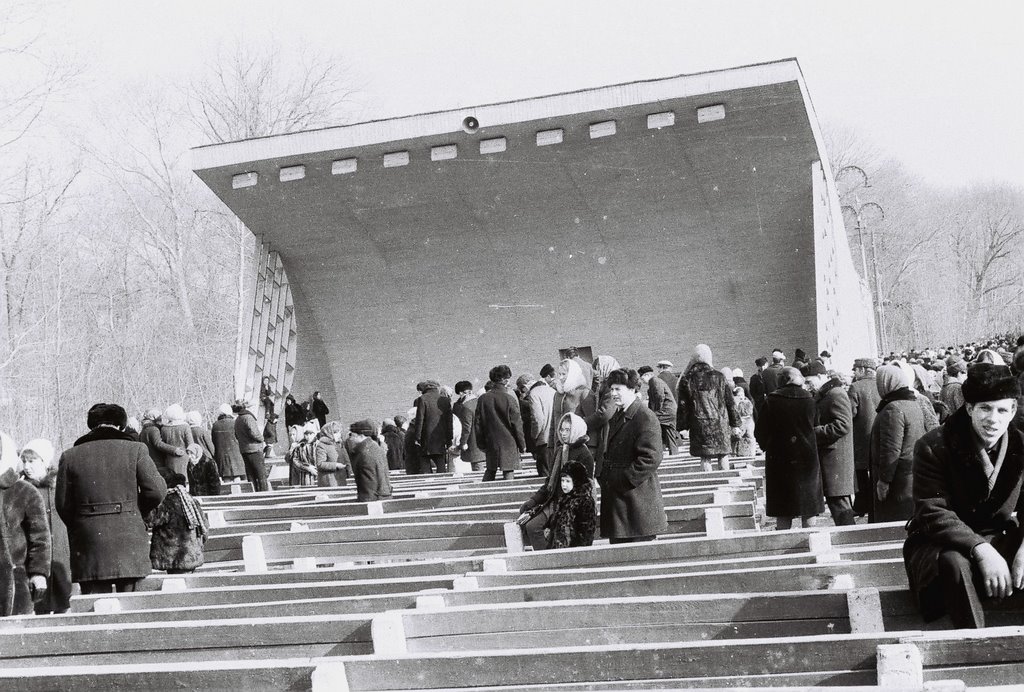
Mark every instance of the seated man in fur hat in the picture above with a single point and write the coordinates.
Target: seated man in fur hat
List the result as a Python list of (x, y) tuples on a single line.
[(964, 547)]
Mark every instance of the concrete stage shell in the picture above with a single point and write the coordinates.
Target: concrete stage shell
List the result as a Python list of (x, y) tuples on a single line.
[(638, 219)]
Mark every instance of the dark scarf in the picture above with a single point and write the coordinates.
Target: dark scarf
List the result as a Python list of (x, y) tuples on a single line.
[(105, 433), (901, 394)]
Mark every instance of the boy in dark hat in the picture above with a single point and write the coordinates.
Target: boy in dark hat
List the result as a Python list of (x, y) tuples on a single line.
[(369, 463), (964, 546)]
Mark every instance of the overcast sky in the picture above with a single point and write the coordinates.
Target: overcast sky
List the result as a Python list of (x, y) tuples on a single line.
[(938, 85)]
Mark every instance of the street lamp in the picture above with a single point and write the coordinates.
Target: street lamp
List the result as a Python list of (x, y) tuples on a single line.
[(858, 209)]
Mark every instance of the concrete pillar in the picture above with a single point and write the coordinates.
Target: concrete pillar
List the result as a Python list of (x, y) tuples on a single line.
[(297, 526), (841, 582), (106, 605), (388, 633), (819, 542), (465, 584), (900, 667), (253, 556), (430, 602), (865, 610), (174, 584), (304, 564), (329, 676), (375, 508), (513, 538)]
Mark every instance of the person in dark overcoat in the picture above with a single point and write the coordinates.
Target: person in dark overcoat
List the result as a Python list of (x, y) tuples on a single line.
[(225, 445), (707, 410), (864, 399), (23, 516), (39, 468), (834, 434), (499, 426), (770, 375), (175, 438), (757, 393), (963, 549), (293, 413), (394, 438), (662, 401), (369, 463), (432, 427), (318, 407), (632, 508), (203, 474), (898, 425), (150, 436), (464, 409), (250, 444), (106, 484), (792, 474)]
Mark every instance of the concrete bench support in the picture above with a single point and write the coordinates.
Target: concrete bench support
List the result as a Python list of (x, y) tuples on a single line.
[(900, 667), (329, 676), (253, 555), (106, 605), (174, 584), (375, 509), (714, 523), (388, 633), (865, 611), (819, 542), (495, 565), (514, 538), (215, 518)]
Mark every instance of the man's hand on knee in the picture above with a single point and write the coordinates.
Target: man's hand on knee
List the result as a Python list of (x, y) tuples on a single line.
[(995, 573), (1017, 571)]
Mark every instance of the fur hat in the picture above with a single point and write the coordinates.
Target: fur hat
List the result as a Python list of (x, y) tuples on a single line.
[(737, 373), (577, 472), (869, 363), (44, 448), (813, 368), (363, 427), (702, 354), (989, 382)]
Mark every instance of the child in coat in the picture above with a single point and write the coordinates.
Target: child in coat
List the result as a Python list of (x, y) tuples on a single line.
[(179, 530), (575, 518)]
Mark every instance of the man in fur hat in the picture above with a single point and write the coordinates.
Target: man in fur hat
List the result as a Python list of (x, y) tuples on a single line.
[(964, 545)]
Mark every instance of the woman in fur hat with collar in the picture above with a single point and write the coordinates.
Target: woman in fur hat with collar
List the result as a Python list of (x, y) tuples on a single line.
[(38, 467)]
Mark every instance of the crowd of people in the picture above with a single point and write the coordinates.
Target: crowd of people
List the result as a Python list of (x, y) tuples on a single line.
[(933, 438)]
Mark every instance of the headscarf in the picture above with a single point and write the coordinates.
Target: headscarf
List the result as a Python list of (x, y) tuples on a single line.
[(702, 354), (330, 429), (727, 374), (577, 427), (44, 448), (987, 355), (174, 415), (194, 418), (573, 378), (225, 410), (603, 365), (889, 378)]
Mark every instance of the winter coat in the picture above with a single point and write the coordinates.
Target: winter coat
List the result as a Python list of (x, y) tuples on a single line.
[(204, 475), (432, 425), (953, 507), (172, 438), (248, 433), (898, 426), (770, 378), (320, 411), (707, 410), (225, 448), (394, 438), (6, 574), (864, 400), (662, 401), (671, 379), (578, 400), (743, 444), (269, 434), (575, 519), (413, 455), (106, 484), (757, 393), (562, 454), (465, 410), (58, 584), (952, 394), (792, 474), (631, 502), (928, 414), (499, 428), (175, 546), (834, 434), (28, 536), (331, 462), (302, 469), (370, 470), (150, 436), (541, 399), (294, 414)]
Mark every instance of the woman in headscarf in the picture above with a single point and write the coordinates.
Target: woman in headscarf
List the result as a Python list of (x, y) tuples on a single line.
[(330, 457), (175, 437), (203, 474), (707, 410), (572, 392), (898, 425), (40, 469)]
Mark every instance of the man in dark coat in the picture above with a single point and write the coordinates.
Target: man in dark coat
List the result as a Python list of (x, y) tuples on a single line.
[(770, 375), (26, 529), (964, 544), (464, 409), (666, 375), (864, 399), (834, 434), (632, 508), (785, 431), (369, 463), (662, 401), (250, 444), (106, 484), (499, 426), (757, 394), (226, 453), (432, 427)]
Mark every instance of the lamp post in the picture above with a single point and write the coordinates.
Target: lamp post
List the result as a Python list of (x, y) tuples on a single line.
[(857, 209)]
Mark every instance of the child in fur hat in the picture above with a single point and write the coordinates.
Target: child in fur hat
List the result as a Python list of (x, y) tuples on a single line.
[(575, 518), (38, 467), (179, 530)]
